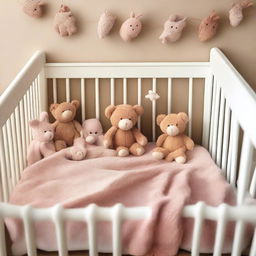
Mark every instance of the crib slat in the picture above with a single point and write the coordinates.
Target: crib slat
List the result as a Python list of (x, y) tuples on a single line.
[(90, 217), (220, 232), (253, 245), (190, 106), (212, 116), (112, 91), (2, 237), (253, 184), (29, 112), (83, 98), (116, 227), (34, 99), (124, 91), (26, 120), (238, 238), (67, 90), (154, 112), (198, 222), (169, 96), (29, 231), (37, 96), (139, 101), (97, 98), (55, 90), (23, 132)]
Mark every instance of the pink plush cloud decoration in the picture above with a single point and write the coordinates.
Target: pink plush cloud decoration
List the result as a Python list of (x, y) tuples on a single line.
[(105, 24)]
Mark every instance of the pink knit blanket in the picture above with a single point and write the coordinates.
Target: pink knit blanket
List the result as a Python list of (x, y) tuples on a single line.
[(132, 181)]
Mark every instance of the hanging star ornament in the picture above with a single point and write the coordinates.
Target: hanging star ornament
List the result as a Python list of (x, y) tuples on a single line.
[(153, 96)]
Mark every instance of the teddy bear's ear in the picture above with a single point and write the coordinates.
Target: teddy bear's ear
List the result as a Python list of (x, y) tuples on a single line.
[(44, 117), (183, 116), (53, 107), (132, 14), (33, 123), (160, 118), (109, 110), (138, 109), (75, 103)]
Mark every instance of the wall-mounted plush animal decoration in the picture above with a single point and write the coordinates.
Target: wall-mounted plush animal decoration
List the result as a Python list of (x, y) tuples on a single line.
[(42, 144), (123, 135), (93, 131), (208, 27), (65, 21), (131, 28), (173, 28), (66, 128), (236, 12), (173, 144), (33, 8), (105, 24)]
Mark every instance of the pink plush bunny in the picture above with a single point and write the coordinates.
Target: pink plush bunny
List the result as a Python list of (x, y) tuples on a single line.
[(93, 132), (33, 8), (78, 151), (42, 145), (131, 28), (173, 28), (208, 27), (236, 12), (106, 23), (65, 22)]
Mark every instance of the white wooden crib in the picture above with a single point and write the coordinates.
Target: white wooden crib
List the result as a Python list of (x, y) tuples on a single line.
[(229, 110)]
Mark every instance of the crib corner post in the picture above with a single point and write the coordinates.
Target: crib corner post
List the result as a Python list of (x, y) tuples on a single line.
[(43, 99)]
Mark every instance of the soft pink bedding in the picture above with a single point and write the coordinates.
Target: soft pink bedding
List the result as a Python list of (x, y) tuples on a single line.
[(133, 181)]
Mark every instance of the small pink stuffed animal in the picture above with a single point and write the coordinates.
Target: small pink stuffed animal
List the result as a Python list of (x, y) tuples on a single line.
[(42, 145), (131, 28), (173, 28), (236, 12), (33, 8), (208, 27), (78, 151), (65, 22), (106, 23), (93, 132)]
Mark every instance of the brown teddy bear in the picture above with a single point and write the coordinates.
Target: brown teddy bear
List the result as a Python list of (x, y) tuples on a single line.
[(173, 144), (123, 136), (66, 128)]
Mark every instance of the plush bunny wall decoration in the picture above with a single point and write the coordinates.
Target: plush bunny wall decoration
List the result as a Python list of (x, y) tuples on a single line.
[(42, 144), (105, 24), (208, 27), (65, 22), (93, 131), (236, 12), (173, 28), (131, 28), (33, 8)]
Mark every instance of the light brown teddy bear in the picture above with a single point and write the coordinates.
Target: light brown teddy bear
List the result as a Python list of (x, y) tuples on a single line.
[(173, 144), (66, 128), (123, 135)]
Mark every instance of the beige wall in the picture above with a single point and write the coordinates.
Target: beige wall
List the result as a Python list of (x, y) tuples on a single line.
[(21, 35)]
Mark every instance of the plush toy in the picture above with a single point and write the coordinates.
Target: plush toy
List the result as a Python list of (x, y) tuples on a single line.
[(131, 28), (173, 144), (123, 136), (106, 23), (236, 12), (208, 27), (42, 145), (173, 28), (33, 8), (78, 151), (93, 131), (66, 128), (65, 22)]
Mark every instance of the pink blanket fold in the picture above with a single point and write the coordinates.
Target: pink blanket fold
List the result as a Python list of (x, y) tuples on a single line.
[(132, 181)]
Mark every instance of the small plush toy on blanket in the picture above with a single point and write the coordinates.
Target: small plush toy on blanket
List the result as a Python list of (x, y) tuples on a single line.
[(42, 145), (93, 131)]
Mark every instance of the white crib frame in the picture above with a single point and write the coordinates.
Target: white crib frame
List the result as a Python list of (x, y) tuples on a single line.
[(229, 104)]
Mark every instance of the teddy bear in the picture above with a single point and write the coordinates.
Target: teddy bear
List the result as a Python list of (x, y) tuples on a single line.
[(93, 131), (131, 28), (66, 128), (65, 22), (173, 28), (33, 8), (208, 27), (172, 144), (123, 136), (42, 144)]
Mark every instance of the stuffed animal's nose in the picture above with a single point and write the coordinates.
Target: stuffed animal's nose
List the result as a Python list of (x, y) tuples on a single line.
[(49, 135), (67, 114), (125, 124)]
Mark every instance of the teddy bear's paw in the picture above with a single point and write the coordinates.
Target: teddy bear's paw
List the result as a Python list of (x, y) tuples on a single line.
[(106, 144), (158, 155), (123, 152), (180, 159), (140, 151)]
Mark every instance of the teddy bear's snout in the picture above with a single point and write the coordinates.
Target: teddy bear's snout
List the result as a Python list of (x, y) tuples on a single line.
[(125, 124), (67, 114), (48, 135), (172, 130)]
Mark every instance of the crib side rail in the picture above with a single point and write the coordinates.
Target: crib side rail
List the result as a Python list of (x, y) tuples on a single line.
[(22, 101)]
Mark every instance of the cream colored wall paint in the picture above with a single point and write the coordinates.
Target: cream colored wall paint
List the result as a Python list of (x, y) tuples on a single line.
[(22, 35)]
